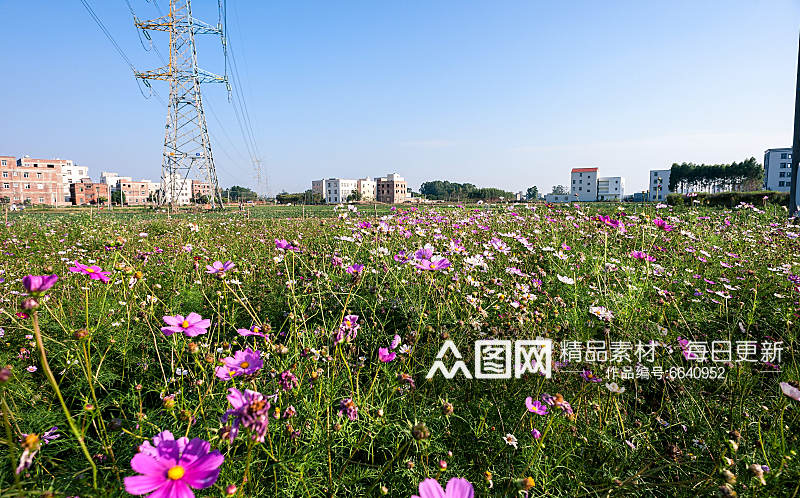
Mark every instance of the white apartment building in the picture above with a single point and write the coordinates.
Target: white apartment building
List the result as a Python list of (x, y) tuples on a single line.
[(659, 185), (778, 169), (584, 184), (72, 173), (366, 188), (177, 189), (610, 188), (338, 189)]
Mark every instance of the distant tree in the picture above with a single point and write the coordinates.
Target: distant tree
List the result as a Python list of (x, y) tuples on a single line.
[(237, 193), (354, 196), (560, 190), (201, 199), (533, 193), (118, 197), (307, 197), (102, 200)]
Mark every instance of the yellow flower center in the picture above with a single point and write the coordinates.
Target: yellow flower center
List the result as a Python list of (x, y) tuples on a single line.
[(89, 270), (176, 472), (244, 364), (185, 324)]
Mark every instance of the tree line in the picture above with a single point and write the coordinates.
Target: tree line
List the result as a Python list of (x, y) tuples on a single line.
[(452, 191), (745, 175)]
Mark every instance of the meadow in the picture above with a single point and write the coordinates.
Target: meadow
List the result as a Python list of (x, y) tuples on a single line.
[(286, 352)]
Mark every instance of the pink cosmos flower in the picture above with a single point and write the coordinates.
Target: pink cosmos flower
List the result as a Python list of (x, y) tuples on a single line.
[(94, 272), (254, 330), (535, 406), (424, 253), (36, 284), (171, 468), (401, 257), (218, 267), (284, 245), (385, 355), (243, 362), (457, 487), (192, 325), (641, 255), (790, 391), (436, 263)]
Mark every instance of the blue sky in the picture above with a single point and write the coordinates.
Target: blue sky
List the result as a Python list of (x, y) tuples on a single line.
[(496, 93)]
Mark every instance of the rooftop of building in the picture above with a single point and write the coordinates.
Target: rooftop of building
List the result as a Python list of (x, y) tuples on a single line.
[(584, 170)]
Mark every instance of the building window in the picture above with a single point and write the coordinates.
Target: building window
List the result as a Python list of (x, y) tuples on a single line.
[(783, 174), (4, 162), (38, 175), (40, 186), (27, 186), (784, 155), (5, 174), (781, 184), (41, 199), (25, 175), (5, 185)]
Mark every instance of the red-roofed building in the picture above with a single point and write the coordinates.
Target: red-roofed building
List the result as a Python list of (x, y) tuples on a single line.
[(584, 184)]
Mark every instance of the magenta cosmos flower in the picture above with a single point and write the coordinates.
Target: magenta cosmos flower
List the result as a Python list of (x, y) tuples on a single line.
[(355, 269), (38, 284), (457, 487), (191, 325), (385, 355), (249, 409), (535, 406), (219, 267), (242, 363), (94, 272), (435, 263), (171, 469)]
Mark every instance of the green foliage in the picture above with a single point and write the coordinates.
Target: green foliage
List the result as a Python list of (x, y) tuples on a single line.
[(307, 197), (718, 274), (533, 193), (560, 190), (445, 190), (730, 199)]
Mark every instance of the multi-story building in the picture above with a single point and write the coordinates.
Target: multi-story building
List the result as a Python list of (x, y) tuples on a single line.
[(318, 187), (366, 188), (659, 185), (37, 181), (778, 169), (71, 173), (339, 189), (610, 188), (202, 190), (177, 189), (86, 192), (584, 184), (391, 189), (135, 193)]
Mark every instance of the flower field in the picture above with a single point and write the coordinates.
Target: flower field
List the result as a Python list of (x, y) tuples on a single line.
[(293, 354)]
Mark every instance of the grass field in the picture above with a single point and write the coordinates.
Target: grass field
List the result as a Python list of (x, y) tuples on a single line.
[(333, 318)]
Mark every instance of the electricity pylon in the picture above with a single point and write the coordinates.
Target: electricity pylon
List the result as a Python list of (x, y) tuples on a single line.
[(186, 144)]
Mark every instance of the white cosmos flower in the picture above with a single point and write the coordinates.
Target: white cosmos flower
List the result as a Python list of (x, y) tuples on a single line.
[(566, 280)]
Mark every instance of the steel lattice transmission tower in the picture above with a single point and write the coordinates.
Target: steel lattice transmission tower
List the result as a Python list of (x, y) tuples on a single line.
[(187, 148)]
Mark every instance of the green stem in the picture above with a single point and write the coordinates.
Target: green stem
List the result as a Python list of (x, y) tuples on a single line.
[(50, 377)]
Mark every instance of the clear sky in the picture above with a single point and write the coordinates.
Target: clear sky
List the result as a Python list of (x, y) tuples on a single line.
[(496, 93)]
